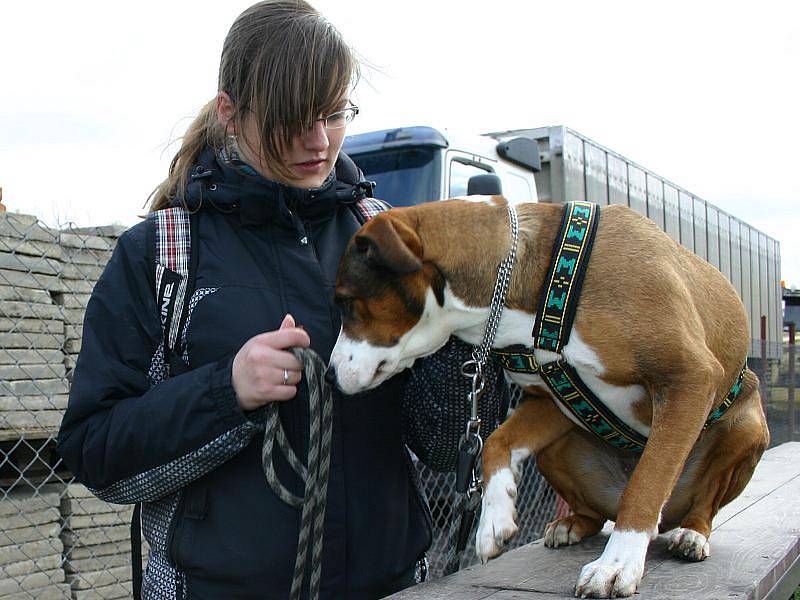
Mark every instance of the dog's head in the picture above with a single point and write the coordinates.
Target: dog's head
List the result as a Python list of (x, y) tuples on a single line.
[(391, 300)]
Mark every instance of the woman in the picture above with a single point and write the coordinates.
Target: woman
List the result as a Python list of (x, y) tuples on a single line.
[(259, 167)]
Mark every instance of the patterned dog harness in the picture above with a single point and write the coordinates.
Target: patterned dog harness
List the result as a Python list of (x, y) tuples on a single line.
[(553, 325)]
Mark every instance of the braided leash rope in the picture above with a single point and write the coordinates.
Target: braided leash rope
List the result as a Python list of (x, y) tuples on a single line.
[(314, 476)]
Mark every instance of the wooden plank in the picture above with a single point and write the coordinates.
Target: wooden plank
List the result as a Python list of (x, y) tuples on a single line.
[(29, 519), (73, 300), (755, 542), (93, 506), (35, 356), (38, 420), (109, 592), (26, 341), (28, 434), (103, 577), (34, 388), (32, 372), (59, 591), (25, 309), (34, 565), (51, 326), (98, 563), (99, 535), (73, 316), (30, 264), (34, 281), (752, 545), (29, 534), (30, 551), (30, 248), (25, 227), (31, 582), (85, 256), (78, 271), (77, 286), (89, 242), (78, 522), (122, 546), (34, 403), (24, 501), (24, 295), (106, 231)]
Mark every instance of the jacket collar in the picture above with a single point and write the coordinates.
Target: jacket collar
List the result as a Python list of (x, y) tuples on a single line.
[(231, 186)]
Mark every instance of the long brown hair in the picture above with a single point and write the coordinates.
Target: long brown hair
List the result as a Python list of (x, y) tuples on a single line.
[(285, 65)]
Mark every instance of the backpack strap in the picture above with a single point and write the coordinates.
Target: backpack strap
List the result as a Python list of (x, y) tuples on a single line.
[(136, 551), (366, 208), (174, 264), (174, 267)]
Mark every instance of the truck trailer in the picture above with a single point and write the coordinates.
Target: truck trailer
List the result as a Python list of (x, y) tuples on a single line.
[(418, 164)]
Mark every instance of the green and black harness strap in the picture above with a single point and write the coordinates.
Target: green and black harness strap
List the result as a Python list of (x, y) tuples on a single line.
[(562, 286)]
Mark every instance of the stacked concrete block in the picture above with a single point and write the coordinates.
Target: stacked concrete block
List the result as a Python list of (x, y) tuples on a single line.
[(33, 387), (96, 545), (31, 560), (85, 253)]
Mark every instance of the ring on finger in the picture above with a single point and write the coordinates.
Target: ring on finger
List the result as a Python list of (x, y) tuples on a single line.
[(285, 377)]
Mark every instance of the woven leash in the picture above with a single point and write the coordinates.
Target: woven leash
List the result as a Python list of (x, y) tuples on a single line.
[(315, 476)]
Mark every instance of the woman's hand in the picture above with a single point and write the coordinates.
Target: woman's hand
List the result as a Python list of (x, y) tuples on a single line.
[(263, 371)]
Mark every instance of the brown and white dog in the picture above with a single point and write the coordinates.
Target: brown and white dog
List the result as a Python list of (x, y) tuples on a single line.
[(659, 336)]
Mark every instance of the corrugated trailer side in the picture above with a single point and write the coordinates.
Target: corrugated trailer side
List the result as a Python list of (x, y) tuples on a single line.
[(577, 168), (725, 244), (672, 213)]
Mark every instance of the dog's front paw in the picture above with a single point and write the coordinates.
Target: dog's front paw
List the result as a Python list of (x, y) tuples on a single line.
[(498, 515), (618, 571), (688, 544)]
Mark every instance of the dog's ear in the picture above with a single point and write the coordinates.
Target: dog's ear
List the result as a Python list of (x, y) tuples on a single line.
[(390, 243)]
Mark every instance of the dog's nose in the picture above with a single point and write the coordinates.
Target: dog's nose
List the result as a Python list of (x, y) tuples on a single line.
[(330, 375)]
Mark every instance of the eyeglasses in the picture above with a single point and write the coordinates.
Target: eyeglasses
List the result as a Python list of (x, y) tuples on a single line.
[(340, 118)]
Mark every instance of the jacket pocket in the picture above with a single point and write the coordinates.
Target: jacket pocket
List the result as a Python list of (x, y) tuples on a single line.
[(192, 508)]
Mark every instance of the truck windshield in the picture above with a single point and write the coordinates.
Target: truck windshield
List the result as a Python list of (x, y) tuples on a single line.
[(405, 176)]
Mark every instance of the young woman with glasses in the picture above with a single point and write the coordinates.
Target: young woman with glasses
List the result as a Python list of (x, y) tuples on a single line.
[(261, 168)]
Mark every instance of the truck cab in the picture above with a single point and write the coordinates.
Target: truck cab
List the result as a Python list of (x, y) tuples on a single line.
[(411, 165)]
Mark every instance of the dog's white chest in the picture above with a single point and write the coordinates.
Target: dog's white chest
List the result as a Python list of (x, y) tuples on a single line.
[(515, 328)]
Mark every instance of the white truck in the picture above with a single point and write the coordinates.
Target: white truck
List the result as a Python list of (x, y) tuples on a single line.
[(556, 164)]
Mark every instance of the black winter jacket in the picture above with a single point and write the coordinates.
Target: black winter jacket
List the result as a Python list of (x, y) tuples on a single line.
[(184, 448)]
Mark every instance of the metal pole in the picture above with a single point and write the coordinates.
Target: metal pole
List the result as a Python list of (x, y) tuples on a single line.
[(764, 371), (790, 387)]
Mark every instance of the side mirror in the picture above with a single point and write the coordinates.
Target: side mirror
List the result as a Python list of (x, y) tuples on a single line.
[(488, 184)]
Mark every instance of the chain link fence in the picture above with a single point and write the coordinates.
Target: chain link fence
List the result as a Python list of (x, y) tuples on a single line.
[(58, 541)]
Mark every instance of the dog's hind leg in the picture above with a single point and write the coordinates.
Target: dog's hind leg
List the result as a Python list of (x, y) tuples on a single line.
[(535, 424), (587, 474), (716, 473)]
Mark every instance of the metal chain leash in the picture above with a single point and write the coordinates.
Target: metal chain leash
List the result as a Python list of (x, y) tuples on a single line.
[(481, 353), (314, 476), (468, 483)]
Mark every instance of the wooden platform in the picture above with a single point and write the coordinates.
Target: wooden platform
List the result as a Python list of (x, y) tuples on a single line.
[(755, 553)]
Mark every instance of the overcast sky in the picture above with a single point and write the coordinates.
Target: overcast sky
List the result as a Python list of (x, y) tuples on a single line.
[(705, 94)]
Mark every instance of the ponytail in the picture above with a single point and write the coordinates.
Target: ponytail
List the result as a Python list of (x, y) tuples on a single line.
[(205, 130)]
